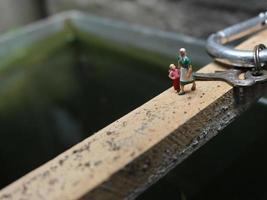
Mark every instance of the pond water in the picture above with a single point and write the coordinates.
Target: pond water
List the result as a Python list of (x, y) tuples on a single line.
[(50, 102)]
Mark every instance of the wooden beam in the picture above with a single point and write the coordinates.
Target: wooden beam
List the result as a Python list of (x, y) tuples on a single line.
[(126, 157)]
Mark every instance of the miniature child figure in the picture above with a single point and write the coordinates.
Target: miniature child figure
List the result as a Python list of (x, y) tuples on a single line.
[(174, 74), (186, 71)]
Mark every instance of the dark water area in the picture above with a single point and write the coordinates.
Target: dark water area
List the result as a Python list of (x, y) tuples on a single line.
[(49, 103), (231, 166)]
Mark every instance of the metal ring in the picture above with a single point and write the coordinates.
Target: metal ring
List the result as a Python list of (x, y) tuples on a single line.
[(256, 71), (257, 61), (239, 58)]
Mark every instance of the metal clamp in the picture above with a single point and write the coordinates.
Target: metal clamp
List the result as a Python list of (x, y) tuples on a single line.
[(232, 76), (239, 58)]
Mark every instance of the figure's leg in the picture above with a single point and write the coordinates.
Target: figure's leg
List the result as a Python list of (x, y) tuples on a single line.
[(178, 89), (173, 84), (177, 85), (181, 90), (193, 86)]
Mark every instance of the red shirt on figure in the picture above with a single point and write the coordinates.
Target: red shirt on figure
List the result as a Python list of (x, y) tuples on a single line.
[(174, 74)]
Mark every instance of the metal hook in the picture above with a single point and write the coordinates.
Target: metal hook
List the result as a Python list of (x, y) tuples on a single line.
[(239, 58)]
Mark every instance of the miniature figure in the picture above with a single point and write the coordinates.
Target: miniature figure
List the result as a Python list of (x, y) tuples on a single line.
[(186, 71), (174, 74)]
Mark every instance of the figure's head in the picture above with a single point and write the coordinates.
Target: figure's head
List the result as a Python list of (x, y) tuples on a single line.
[(172, 66), (182, 52)]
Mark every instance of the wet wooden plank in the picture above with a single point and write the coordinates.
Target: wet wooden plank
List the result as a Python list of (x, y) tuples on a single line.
[(126, 157)]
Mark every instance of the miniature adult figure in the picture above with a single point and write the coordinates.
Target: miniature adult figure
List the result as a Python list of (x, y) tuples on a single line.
[(174, 74), (186, 71)]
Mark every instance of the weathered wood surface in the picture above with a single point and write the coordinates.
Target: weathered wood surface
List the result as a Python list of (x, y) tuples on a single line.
[(124, 158)]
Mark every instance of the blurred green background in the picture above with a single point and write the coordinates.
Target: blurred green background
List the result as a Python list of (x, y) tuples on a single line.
[(192, 17)]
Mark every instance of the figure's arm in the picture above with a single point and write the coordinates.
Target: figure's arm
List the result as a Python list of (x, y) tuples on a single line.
[(190, 68), (189, 72), (171, 75), (178, 63)]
